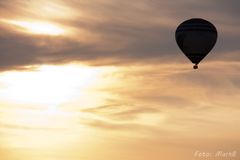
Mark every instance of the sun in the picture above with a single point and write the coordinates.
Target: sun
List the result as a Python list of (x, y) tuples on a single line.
[(40, 28)]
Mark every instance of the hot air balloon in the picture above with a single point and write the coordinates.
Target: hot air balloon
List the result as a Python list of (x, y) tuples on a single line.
[(196, 37)]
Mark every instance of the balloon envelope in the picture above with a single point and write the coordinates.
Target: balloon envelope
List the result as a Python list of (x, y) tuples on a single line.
[(196, 38)]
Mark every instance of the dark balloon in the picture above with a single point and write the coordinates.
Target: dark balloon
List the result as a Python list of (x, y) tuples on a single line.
[(196, 38)]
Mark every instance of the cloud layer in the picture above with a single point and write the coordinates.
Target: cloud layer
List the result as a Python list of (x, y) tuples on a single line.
[(112, 32), (153, 106)]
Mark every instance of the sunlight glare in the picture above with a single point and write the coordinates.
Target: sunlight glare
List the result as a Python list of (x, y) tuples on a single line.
[(49, 85), (42, 28)]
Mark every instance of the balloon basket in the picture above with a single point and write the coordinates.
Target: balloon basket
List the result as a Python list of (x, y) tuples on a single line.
[(195, 67)]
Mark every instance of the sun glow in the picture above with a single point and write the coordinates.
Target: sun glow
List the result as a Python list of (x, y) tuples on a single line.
[(32, 103), (49, 85), (34, 27)]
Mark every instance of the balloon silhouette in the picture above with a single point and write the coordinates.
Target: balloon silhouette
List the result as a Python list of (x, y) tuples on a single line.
[(196, 37)]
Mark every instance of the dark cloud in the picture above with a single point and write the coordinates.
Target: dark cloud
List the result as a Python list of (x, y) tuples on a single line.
[(121, 32)]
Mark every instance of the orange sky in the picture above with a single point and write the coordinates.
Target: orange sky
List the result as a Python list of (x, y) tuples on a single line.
[(104, 80)]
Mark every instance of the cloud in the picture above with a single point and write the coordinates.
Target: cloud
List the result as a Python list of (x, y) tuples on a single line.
[(115, 32), (171, 100), (121, 111), (22, 127), (106, 125)]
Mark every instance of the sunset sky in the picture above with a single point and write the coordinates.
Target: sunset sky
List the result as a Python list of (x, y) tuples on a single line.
[(105, 80)]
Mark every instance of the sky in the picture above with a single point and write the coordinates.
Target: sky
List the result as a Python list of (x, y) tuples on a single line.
[(105, 79)]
